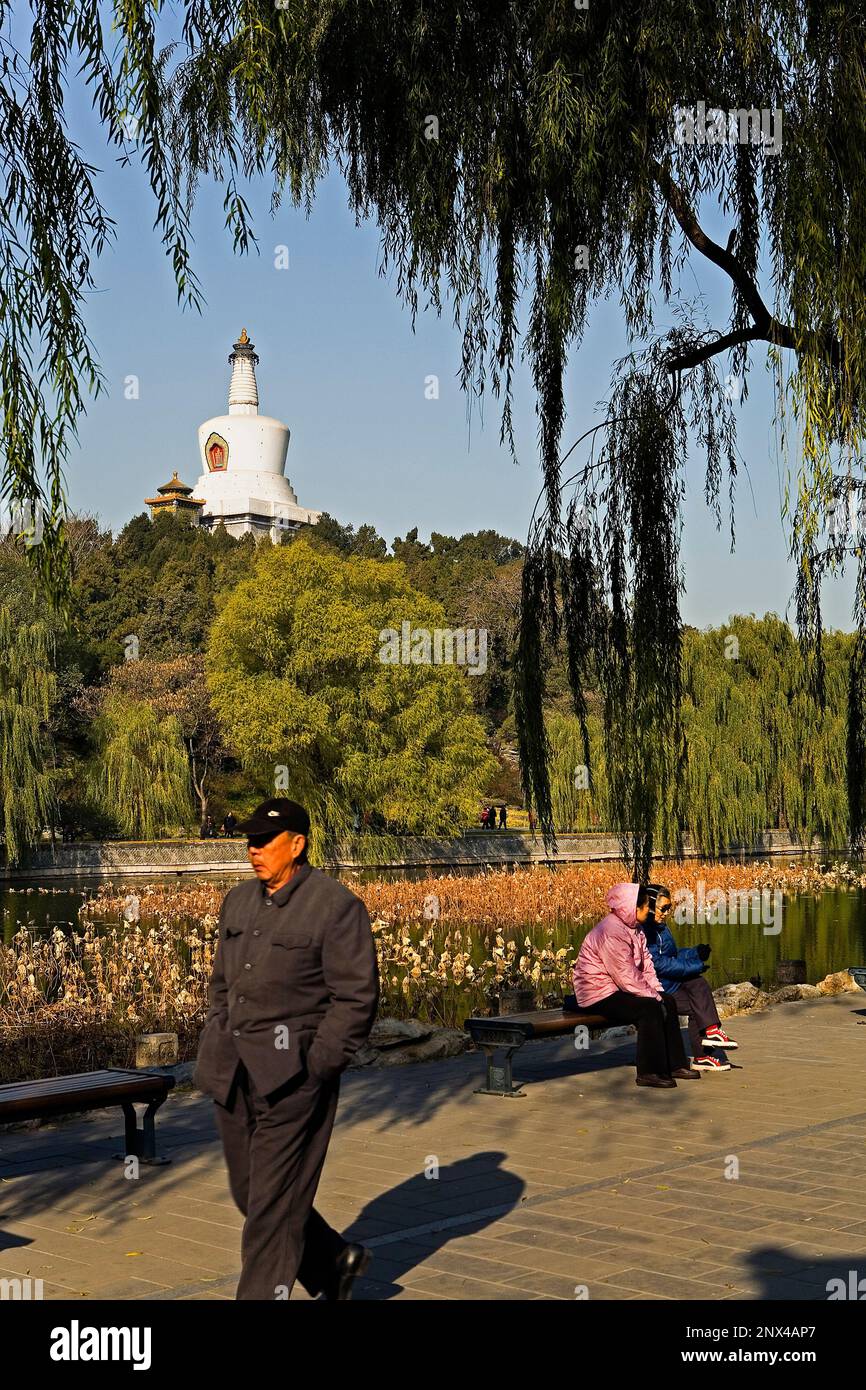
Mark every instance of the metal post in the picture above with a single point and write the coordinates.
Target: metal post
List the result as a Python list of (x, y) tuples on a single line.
[(131, 1128), (141, 1143), (149, 1154), (499, 1078)]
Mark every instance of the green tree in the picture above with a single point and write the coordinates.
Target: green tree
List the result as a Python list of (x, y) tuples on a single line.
[(27, 693), (579, 801), (139, 775), (178, 689), (307, 704), (159, 581), (759, 753)]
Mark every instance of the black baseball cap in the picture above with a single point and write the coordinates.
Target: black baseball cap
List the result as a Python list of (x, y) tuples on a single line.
[(275, 816)]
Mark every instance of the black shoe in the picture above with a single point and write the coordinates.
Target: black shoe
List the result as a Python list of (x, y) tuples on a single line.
[(686, 1074), (650, 1079), (350, 1265)]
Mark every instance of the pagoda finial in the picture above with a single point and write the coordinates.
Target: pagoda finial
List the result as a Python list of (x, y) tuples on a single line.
[(243, 392)]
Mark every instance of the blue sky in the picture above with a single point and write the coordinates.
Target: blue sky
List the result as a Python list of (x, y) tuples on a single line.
[(342, 367)]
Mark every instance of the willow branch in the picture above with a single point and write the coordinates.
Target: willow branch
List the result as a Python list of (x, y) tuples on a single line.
[(765, 326)]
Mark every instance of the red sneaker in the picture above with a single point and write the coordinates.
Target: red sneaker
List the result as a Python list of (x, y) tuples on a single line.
[(710, 1064), (714, 1037)]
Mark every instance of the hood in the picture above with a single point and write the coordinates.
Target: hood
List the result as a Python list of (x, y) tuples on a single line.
[(622, 899)]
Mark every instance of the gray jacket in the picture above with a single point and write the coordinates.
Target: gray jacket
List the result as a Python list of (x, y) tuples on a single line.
[(294, 987)]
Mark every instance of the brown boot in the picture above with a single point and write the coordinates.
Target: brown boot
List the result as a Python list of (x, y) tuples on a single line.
[(650, 1079), (686, 1074)]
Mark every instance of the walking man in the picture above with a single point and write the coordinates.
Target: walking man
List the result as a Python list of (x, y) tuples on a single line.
[(293, 996)]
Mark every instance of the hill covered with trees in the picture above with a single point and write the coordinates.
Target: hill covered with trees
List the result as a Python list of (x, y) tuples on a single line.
[(194, 666), (131, 736)]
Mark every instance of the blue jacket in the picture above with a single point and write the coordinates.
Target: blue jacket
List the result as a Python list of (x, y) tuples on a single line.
[(671, 966)]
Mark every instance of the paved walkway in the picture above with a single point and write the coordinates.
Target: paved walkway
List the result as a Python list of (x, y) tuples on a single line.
[(586, 1183)]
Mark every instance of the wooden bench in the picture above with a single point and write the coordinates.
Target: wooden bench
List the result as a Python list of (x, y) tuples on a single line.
[(511, 1031), (93, 1090)]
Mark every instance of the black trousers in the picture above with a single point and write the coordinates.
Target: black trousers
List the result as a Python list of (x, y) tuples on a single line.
[(695, 998), (275, 1147), (659, 1040)]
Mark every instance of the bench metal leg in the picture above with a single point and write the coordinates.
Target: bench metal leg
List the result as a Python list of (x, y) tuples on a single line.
[(499, 1080), (141, 1142)]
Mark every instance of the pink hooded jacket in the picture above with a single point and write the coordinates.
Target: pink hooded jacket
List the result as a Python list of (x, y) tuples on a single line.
[(615, 954)]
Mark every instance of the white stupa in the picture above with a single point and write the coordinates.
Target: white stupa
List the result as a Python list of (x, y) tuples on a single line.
[(243, 455)]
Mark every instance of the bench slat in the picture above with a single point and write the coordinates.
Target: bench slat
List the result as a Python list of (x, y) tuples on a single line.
[(539, 1023), (78, 1081), (80, 1091)]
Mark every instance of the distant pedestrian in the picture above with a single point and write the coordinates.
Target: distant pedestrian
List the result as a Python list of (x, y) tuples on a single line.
[(229, 824), (532, 822), (503, 818)]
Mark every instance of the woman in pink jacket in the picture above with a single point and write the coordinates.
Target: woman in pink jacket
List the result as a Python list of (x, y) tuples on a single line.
[(614, 976)]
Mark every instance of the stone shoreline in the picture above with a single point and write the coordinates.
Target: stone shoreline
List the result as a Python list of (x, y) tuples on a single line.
[(398, 1042)]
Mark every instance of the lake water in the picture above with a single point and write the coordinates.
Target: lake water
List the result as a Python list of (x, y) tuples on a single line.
[(827, 930)]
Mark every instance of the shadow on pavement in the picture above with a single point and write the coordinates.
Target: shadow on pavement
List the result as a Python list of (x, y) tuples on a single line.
[(491, 1190), (805, 1278), (75, 1159)]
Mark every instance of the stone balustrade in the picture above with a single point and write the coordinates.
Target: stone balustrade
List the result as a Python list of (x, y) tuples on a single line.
[(112, 858)]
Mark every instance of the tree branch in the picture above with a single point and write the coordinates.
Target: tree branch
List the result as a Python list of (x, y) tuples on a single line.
[(766, 327), (713, 348)]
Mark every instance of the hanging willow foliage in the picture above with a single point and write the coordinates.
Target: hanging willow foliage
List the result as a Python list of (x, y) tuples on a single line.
[(610, 578), (759, 752), (513, 155), (27, 692), (140, 775)]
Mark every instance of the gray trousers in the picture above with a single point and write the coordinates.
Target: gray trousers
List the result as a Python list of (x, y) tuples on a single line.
[(275, 1147)]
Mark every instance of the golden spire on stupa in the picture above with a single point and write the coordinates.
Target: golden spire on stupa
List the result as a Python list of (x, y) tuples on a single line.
[(243, 390)]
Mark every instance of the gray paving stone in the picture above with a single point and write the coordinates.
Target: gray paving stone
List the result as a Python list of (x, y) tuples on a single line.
[(596, 1182)]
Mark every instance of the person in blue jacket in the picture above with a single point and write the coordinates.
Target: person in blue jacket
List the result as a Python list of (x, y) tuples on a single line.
[(681, 973)]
